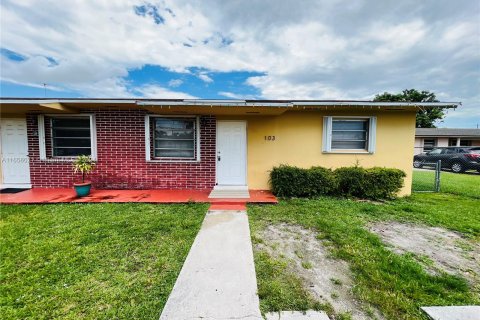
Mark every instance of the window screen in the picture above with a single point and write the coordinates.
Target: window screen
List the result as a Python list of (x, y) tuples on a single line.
[(71, 136), (174, 138), (350, 134)]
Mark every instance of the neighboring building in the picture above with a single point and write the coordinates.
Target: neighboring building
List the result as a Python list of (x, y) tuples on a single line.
[(198, 144), (428, 138)]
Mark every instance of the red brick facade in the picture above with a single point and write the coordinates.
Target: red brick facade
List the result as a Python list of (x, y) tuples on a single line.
[(121, 162)]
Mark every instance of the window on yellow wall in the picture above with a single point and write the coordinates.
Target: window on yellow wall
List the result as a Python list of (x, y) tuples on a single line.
[(349, 134)]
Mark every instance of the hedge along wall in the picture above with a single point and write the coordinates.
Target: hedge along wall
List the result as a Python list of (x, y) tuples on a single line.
[(368, 183)]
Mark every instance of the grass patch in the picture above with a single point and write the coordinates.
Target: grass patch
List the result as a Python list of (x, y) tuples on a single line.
[(92, 261), (279, 289), (396, 284), (454, 212), (465, 184)]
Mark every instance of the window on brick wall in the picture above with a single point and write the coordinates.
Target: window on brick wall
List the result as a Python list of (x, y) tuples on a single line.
[(68, 136), (173, 138), (71, 136)]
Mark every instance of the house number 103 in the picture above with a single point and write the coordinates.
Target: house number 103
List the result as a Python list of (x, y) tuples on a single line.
[(270, 138)]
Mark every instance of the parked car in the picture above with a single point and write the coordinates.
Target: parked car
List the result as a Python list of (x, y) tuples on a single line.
[(458, 159)]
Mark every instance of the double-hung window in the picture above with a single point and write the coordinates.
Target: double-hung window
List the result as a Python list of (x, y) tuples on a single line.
[(174, 138), (343, 134)]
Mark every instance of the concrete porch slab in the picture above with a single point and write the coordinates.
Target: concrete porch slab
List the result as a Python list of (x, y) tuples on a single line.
[(231, 193), (453, 312), (218, 279), (66, 195)]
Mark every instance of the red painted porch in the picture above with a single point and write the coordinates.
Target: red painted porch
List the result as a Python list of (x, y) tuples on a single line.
[(64, 195)]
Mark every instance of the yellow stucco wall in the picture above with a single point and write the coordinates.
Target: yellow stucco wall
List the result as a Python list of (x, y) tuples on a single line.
[(298, 141)]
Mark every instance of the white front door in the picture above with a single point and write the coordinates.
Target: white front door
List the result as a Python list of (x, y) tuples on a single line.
[(14, 153), (231, 153)]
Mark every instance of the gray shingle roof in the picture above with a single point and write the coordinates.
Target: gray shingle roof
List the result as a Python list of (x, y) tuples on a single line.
[(447, 132)]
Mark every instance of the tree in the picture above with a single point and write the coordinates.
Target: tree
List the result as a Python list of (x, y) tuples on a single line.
[(425, 118)]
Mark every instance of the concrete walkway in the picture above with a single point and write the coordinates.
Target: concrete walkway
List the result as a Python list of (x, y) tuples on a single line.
[(453, 312), (218, 278), (297, 315)]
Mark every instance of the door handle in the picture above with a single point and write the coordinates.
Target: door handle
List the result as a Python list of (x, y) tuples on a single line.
[(218, 158)]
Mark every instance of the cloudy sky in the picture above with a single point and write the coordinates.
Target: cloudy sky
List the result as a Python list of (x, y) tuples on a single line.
[(270, 49)]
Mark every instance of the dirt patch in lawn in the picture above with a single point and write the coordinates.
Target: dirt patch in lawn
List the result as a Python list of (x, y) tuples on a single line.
[(328, 279), (437, 249)]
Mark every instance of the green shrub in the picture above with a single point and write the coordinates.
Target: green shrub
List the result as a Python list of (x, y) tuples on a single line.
[(372, 183), (288, 181), (383, 183), (321, 181), (351, 181)]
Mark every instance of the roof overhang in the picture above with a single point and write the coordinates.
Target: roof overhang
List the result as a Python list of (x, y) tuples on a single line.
[(471, 137), (202, 106), (469, 133)]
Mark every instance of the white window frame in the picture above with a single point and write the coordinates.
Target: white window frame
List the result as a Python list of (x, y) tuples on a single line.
[(327, 134), (148, 142), (430, 148), (41, 135)]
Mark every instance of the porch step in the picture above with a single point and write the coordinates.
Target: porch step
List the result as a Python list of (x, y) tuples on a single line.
[(229, 194), (228, 206)]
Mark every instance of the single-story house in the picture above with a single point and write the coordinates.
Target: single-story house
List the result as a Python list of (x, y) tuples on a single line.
[(428, 138), (198, 144)]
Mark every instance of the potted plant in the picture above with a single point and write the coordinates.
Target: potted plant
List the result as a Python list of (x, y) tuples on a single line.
[(85, 165)]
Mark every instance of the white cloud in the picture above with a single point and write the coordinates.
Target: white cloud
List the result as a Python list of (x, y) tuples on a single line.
[(389, 42), (175, 83), (157, 92), (313, 49), (106, 88), (276, 88), (205, 77), (238, 96)]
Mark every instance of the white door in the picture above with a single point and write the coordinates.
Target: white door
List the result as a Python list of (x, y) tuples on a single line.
[(232, 153), (14, 153)]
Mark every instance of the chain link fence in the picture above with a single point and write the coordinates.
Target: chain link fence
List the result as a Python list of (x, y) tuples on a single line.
[(427, 179)]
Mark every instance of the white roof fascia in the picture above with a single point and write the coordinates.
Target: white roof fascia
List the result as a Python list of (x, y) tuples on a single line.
[(375, 103), (46, 101), (220, 103)]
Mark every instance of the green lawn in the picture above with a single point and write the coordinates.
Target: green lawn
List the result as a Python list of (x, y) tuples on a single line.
[(396, 284), (467, 184), (120, 261), (92, 261)]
